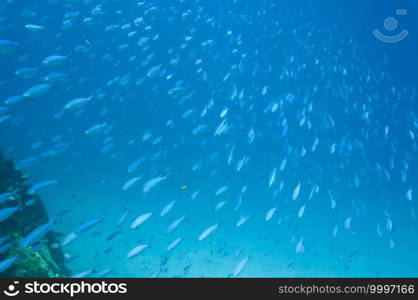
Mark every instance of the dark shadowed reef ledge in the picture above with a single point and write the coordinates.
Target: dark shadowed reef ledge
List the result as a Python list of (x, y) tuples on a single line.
[(48, 260)]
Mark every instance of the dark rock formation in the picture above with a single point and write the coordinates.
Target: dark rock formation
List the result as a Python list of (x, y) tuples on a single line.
[(48, 259)]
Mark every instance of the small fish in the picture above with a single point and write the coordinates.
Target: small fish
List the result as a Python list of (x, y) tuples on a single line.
[(6, 196), (63, 212), (95, 129), (5, 247), (130, 183), (54, 60), (207, 232), (283, 164), (223, 112), (87, 225), (296, 192), (113, 235), (83, 274), (133, 166), (175, 224), (68, 259), (299, 247), (12, 100), (26, 163), (335, 231), (4, 239), (7, 46), (153, 182), (239, 203), (69, 238), (301, 211), (173, 244), (135, 251), (154, 71), (272, 177), (77, 103), (56, 77), (221, 190), (231, 155), (141, 219), (333, 202), (240, 266), (194, 195), (242, 220), (6, 263), (221, 128), (347, 223), (200, 129), (37, 246), (392, 245), (332, 148), (34, 28), (123, 217), (270, 213), (37, 90), (379, 230), (37, 234), (43, 185), (219, 205), (7, 212), (26, 73), (167, 208), (352, 256), (108, 250), (409, 195), (389, 225), (103, 273)]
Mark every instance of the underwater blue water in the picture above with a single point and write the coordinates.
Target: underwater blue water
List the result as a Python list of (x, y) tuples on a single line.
[(284, 128)]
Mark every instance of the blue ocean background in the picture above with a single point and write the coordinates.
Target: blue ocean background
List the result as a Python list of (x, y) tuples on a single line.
[(213, 98)]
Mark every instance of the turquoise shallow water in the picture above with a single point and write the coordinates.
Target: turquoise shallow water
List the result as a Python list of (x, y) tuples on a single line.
[(283, 133)]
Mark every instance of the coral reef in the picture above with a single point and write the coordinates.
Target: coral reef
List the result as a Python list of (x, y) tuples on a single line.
[(43, 260)]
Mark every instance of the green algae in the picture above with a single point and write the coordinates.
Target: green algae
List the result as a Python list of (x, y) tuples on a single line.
[(48, 260)]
